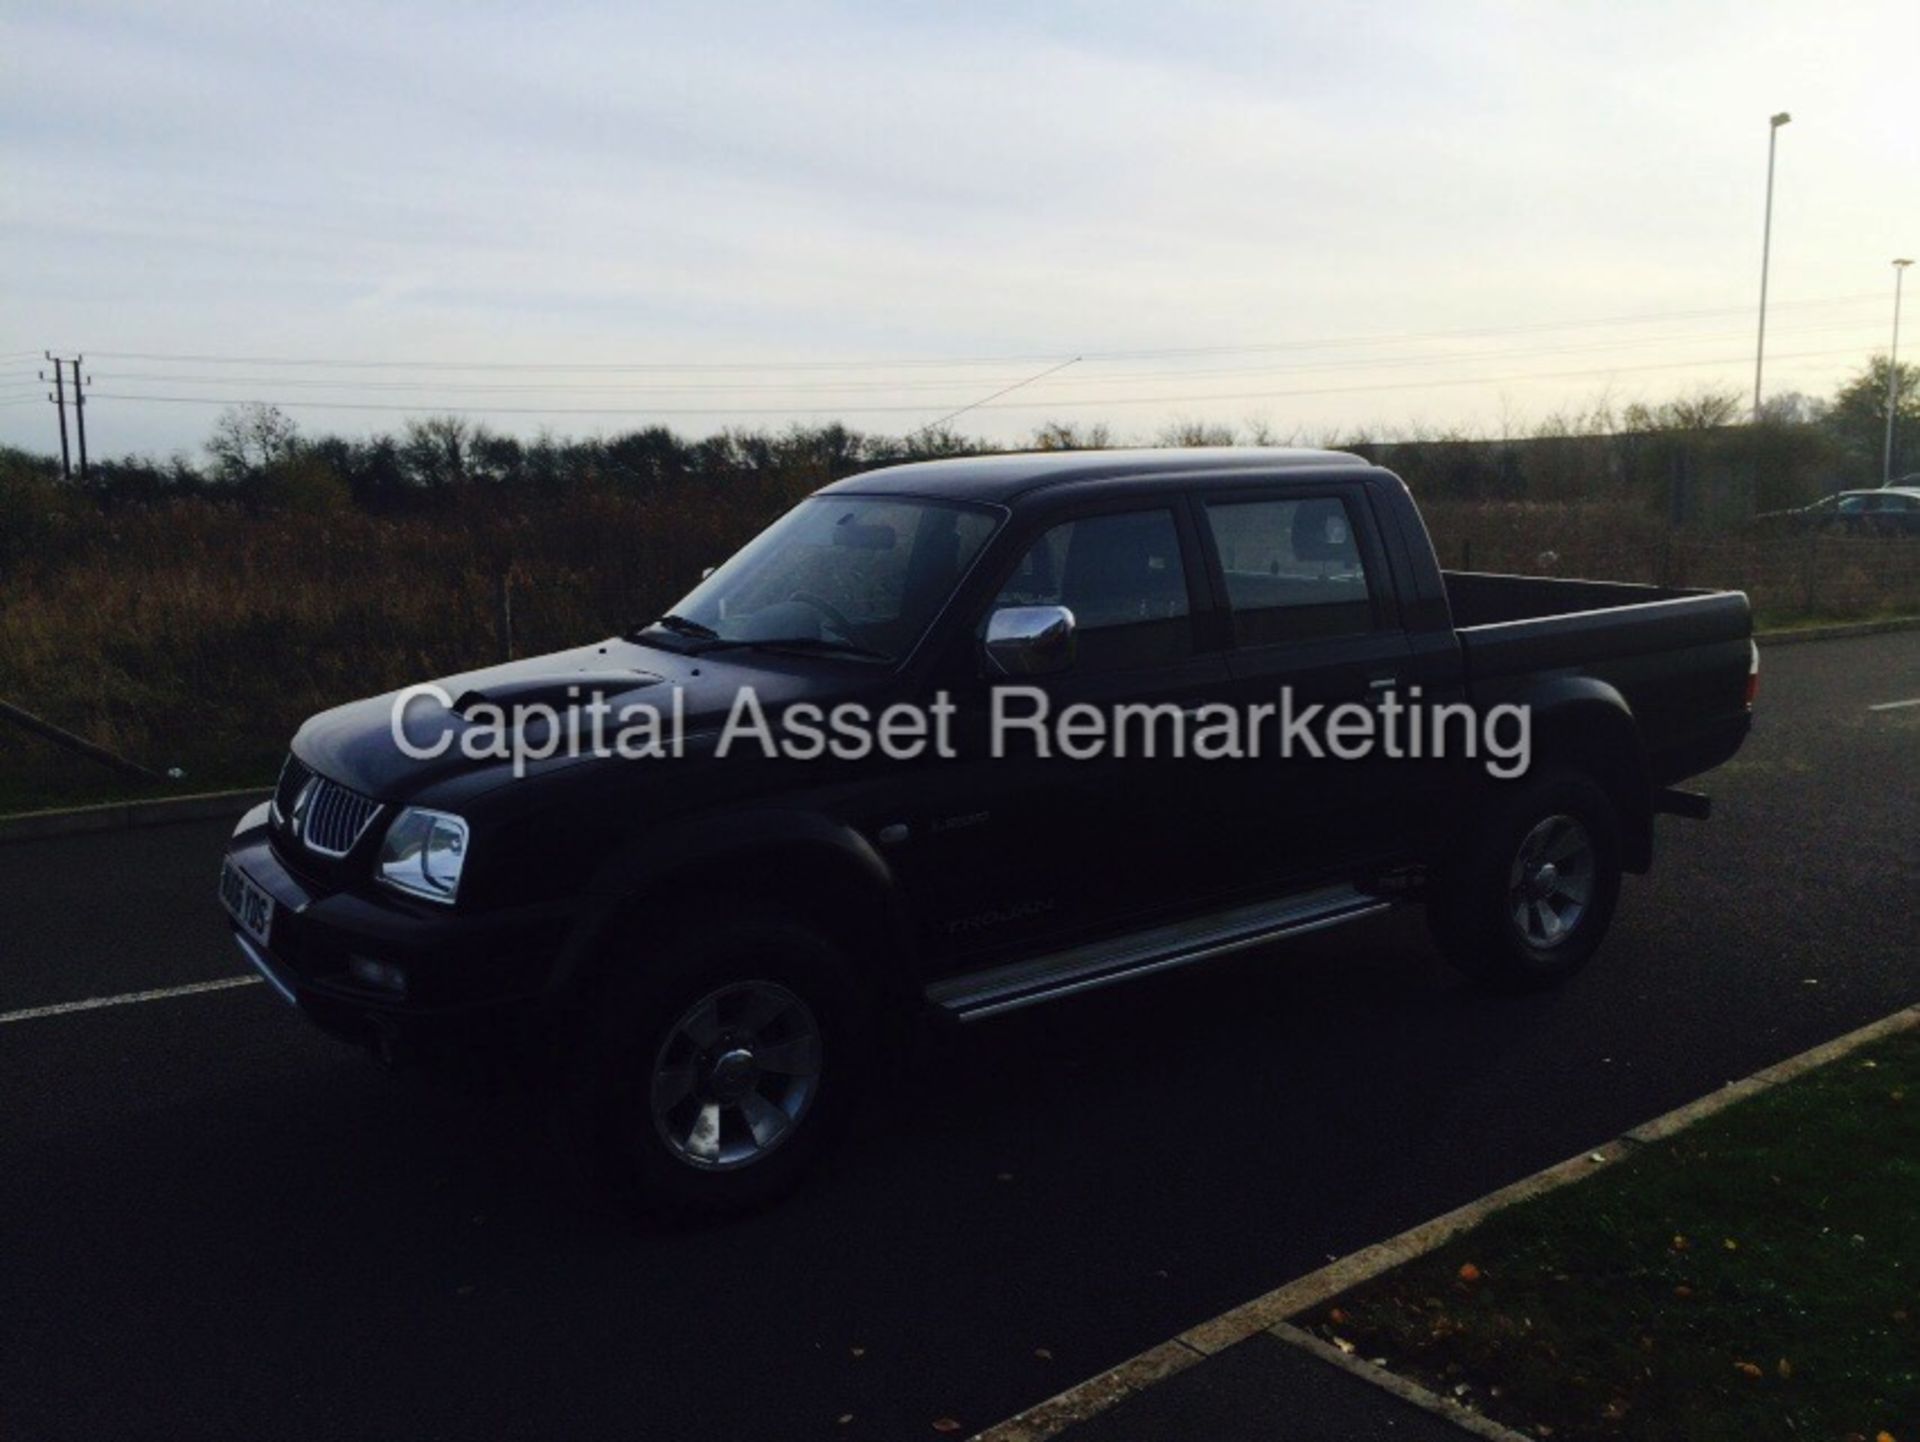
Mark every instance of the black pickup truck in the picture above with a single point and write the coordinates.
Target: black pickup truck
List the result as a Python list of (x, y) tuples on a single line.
[(1136, 680)]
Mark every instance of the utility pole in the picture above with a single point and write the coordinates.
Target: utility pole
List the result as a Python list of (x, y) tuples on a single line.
[(1766, 249), (59, 398), (80, 414), (1893, 372)]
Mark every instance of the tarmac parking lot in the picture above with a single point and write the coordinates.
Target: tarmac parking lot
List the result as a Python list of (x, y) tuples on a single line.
[(220, 1223)]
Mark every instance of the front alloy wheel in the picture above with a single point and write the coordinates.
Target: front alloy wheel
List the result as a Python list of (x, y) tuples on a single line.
[(720, 1060), (736, 1075)]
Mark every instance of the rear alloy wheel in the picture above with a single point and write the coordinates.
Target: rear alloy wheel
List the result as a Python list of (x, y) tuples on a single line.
[(1527, 897), (1550, 883)]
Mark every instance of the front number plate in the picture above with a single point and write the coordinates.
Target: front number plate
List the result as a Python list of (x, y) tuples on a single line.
[(246, 903)]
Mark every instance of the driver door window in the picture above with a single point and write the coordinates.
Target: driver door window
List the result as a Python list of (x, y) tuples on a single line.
[(1122, 577)]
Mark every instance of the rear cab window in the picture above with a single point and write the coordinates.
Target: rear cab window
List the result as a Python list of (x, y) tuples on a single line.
[(1295, 568)]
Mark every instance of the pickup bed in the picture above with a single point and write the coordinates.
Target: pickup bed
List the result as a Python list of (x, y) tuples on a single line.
[(1514, 627), (956, 738)]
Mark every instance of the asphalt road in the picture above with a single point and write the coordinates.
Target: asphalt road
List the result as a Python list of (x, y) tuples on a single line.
[(214, 1222)]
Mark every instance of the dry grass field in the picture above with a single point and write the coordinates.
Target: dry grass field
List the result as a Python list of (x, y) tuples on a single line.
[(197, 633)]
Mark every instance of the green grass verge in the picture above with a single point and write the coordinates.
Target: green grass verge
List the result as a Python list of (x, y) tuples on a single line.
[(1756, 1276)]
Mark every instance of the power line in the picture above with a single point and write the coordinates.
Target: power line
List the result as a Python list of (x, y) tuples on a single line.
[(895, 386), (1189, 399), (1650, 317)]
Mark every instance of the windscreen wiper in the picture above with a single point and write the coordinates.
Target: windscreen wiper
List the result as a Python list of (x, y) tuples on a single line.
[(682, 626), (824, 645)]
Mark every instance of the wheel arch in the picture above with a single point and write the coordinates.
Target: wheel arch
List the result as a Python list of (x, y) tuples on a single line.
[(812, 867), (1585, 724)]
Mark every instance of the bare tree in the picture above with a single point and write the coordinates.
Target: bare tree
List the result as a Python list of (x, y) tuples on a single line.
[(1195, 433), (249, 438), (1069, 436)]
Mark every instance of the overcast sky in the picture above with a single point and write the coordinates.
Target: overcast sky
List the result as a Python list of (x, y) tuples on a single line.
[(954, 197)]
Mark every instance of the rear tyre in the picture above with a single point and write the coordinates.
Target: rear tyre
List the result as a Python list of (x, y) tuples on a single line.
[(722, 1067), (1529, 896)]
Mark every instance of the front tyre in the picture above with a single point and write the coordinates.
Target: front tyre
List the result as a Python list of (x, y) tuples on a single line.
[(723, 1066), (1530, 895)]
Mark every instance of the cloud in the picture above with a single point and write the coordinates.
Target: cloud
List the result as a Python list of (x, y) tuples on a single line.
[(692, 183)]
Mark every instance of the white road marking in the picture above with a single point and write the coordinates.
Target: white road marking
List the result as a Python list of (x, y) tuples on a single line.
[(1895, 705), (92, 1003)]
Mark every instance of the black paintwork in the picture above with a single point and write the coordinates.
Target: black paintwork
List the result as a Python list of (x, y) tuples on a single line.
[(574, 866)]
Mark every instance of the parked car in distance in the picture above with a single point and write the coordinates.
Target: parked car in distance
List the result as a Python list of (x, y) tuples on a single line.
[(1885, 511), (706, 944)]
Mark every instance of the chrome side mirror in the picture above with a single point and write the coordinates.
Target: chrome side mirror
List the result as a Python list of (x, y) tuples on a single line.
[(1030, 640)]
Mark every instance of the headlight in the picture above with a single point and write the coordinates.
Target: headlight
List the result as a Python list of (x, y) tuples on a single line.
[(423, 854)]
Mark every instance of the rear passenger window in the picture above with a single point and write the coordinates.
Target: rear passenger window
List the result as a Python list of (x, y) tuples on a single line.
[(1121, 577), (1292, 568)]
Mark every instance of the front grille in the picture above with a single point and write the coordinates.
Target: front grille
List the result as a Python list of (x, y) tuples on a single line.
[(293, 775), (329, 819), (324, 816)]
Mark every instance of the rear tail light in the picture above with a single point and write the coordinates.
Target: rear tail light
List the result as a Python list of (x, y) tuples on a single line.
[(1753, 674)]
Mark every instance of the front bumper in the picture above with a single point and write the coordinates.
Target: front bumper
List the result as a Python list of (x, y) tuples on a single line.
[(452, 964)]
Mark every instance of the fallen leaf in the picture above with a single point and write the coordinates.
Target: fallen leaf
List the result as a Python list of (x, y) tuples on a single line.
[(1884, 1437), (1784, 1368), (1680, 1243), (1003, 1177), (1469, 1273), (1746, 1369), (1337, 1317), (1043, 1354), (844, 1418), (1344, 1345), (1615, 1410), (946, 1424), (857, 1351), (1730, 1244)]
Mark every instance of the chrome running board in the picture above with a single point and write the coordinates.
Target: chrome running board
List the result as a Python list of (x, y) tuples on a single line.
[(982, 994)]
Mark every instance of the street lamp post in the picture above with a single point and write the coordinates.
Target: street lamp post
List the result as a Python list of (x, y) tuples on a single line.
[(1766, 247), (1893, 372)]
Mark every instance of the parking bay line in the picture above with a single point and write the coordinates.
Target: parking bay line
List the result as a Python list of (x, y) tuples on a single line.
[(1895, 705), (128, 998)]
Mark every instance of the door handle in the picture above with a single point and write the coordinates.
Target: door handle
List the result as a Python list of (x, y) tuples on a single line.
[(1383, 683)]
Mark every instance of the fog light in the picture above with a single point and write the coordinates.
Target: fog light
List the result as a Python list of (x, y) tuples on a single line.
[(377, 974)]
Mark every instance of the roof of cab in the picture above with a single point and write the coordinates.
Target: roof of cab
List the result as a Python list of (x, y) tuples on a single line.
[(1005, 477)]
